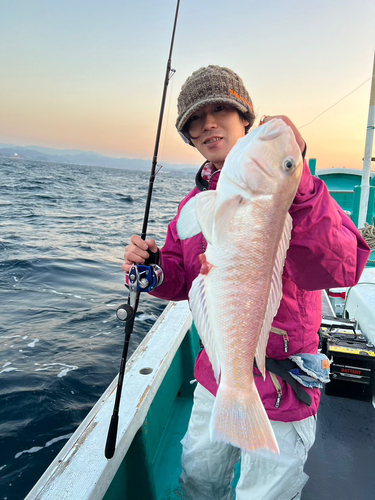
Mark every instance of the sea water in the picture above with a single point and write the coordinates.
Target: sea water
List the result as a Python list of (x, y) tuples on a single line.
[(63, 229)]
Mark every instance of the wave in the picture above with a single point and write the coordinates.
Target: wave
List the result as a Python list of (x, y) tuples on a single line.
[(51, 367), (125, 198), (35, 449)]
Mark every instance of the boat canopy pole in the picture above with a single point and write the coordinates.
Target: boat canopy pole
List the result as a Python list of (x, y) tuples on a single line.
[(365, 185), (127, 310)]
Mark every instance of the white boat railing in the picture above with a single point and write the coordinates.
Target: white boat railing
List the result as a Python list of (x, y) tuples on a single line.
[(80, 470)]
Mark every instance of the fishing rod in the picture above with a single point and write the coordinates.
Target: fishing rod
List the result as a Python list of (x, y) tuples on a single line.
[(141, 278)]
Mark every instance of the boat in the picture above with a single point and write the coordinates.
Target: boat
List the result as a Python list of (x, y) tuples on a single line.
[(153, 416), (156, 404)]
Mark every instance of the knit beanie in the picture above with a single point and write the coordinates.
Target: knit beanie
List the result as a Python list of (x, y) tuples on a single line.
[(213, 84)]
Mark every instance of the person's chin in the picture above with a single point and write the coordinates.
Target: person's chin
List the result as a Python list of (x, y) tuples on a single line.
[(216, 157)]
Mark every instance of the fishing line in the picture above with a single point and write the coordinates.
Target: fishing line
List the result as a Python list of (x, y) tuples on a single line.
[(167, 119), (333, 105)]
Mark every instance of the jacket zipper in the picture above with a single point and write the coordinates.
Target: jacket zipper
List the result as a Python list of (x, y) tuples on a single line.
[(279, 391), (284, 334)]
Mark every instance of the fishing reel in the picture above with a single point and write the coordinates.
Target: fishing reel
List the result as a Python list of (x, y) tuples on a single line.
[(144, 278), (141, 278)]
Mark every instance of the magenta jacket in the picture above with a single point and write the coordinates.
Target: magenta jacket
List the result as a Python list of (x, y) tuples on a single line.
[(326, 250)]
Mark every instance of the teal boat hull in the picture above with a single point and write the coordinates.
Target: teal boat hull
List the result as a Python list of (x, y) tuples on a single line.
[(152, 465), (344, 186)]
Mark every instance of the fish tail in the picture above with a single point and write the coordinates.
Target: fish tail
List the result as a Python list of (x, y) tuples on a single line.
[(241, 420)]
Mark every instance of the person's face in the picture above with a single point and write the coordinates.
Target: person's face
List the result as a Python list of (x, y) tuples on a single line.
[(214, 129)]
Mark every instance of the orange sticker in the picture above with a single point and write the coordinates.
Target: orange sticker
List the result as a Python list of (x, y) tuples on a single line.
[(325, 364)]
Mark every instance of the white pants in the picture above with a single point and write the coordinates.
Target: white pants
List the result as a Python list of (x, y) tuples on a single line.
[(208, 468)]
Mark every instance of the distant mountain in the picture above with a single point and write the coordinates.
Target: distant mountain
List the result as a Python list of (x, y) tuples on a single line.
[(77, 157)]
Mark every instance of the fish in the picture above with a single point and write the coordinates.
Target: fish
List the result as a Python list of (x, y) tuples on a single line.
[(239, 288)]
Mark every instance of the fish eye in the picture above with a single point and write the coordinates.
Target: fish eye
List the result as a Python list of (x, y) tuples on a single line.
[(288, 165)]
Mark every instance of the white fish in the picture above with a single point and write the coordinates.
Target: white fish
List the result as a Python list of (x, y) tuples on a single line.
[(237, 294)]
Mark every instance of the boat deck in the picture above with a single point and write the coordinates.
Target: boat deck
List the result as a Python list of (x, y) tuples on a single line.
[(341, 462)]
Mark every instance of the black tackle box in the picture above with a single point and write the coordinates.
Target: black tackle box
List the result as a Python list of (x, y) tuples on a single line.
[(352, 359)]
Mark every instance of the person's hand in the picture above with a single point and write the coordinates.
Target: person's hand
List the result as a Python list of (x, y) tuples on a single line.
[(301, 143), (138, 251)]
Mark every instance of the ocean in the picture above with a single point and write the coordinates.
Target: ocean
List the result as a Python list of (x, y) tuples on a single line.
[(63, 229)]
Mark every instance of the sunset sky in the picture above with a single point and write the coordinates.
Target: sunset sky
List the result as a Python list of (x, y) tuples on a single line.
[(89, 74)]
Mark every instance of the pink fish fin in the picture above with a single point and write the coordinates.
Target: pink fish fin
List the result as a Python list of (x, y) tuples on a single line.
[(205, 208), (239, 418), (187, 224), (205, 265), (275, 295), (200, 311), (225, 213), (197, 216)]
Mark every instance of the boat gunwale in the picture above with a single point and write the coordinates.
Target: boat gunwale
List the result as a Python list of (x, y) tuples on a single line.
[(341, 170), (70, 477)]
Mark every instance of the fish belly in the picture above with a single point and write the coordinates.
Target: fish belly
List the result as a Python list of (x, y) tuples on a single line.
[(238, 287)]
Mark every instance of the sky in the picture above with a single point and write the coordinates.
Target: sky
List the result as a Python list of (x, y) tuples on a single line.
[(89, 75)]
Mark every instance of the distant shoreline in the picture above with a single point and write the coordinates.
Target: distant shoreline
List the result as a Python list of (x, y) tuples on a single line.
[(164, 171), (84, 158)]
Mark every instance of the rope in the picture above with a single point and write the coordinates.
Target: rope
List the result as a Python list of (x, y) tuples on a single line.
[(368, 234)]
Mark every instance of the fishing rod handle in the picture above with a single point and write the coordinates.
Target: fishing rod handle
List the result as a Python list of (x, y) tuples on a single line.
[(110, 445)]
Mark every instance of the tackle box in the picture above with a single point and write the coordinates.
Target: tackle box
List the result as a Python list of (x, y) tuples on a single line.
[(352, 359)]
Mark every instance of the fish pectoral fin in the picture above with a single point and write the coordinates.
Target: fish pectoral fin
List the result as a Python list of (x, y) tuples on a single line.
[(225, 214), (197, 216), (205, 209), (199, 309), (274, 298), (187, 224)]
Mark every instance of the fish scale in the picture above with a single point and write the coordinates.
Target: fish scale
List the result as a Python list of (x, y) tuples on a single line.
[(244, 311)]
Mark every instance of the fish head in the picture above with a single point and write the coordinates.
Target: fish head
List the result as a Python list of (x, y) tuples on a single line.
[(267, 161)]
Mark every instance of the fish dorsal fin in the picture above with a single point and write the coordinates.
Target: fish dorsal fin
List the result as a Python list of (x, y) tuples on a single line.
[(276, 292), (199, 309), (197, 215), (225, 214)]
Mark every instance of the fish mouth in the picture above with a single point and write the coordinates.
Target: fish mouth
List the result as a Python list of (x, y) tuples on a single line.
[(272, 129)]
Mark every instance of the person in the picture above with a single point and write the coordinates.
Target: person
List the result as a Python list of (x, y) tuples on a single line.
[(326, 250)]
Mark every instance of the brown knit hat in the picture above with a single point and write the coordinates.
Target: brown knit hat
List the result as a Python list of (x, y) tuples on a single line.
[(213, 84)]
